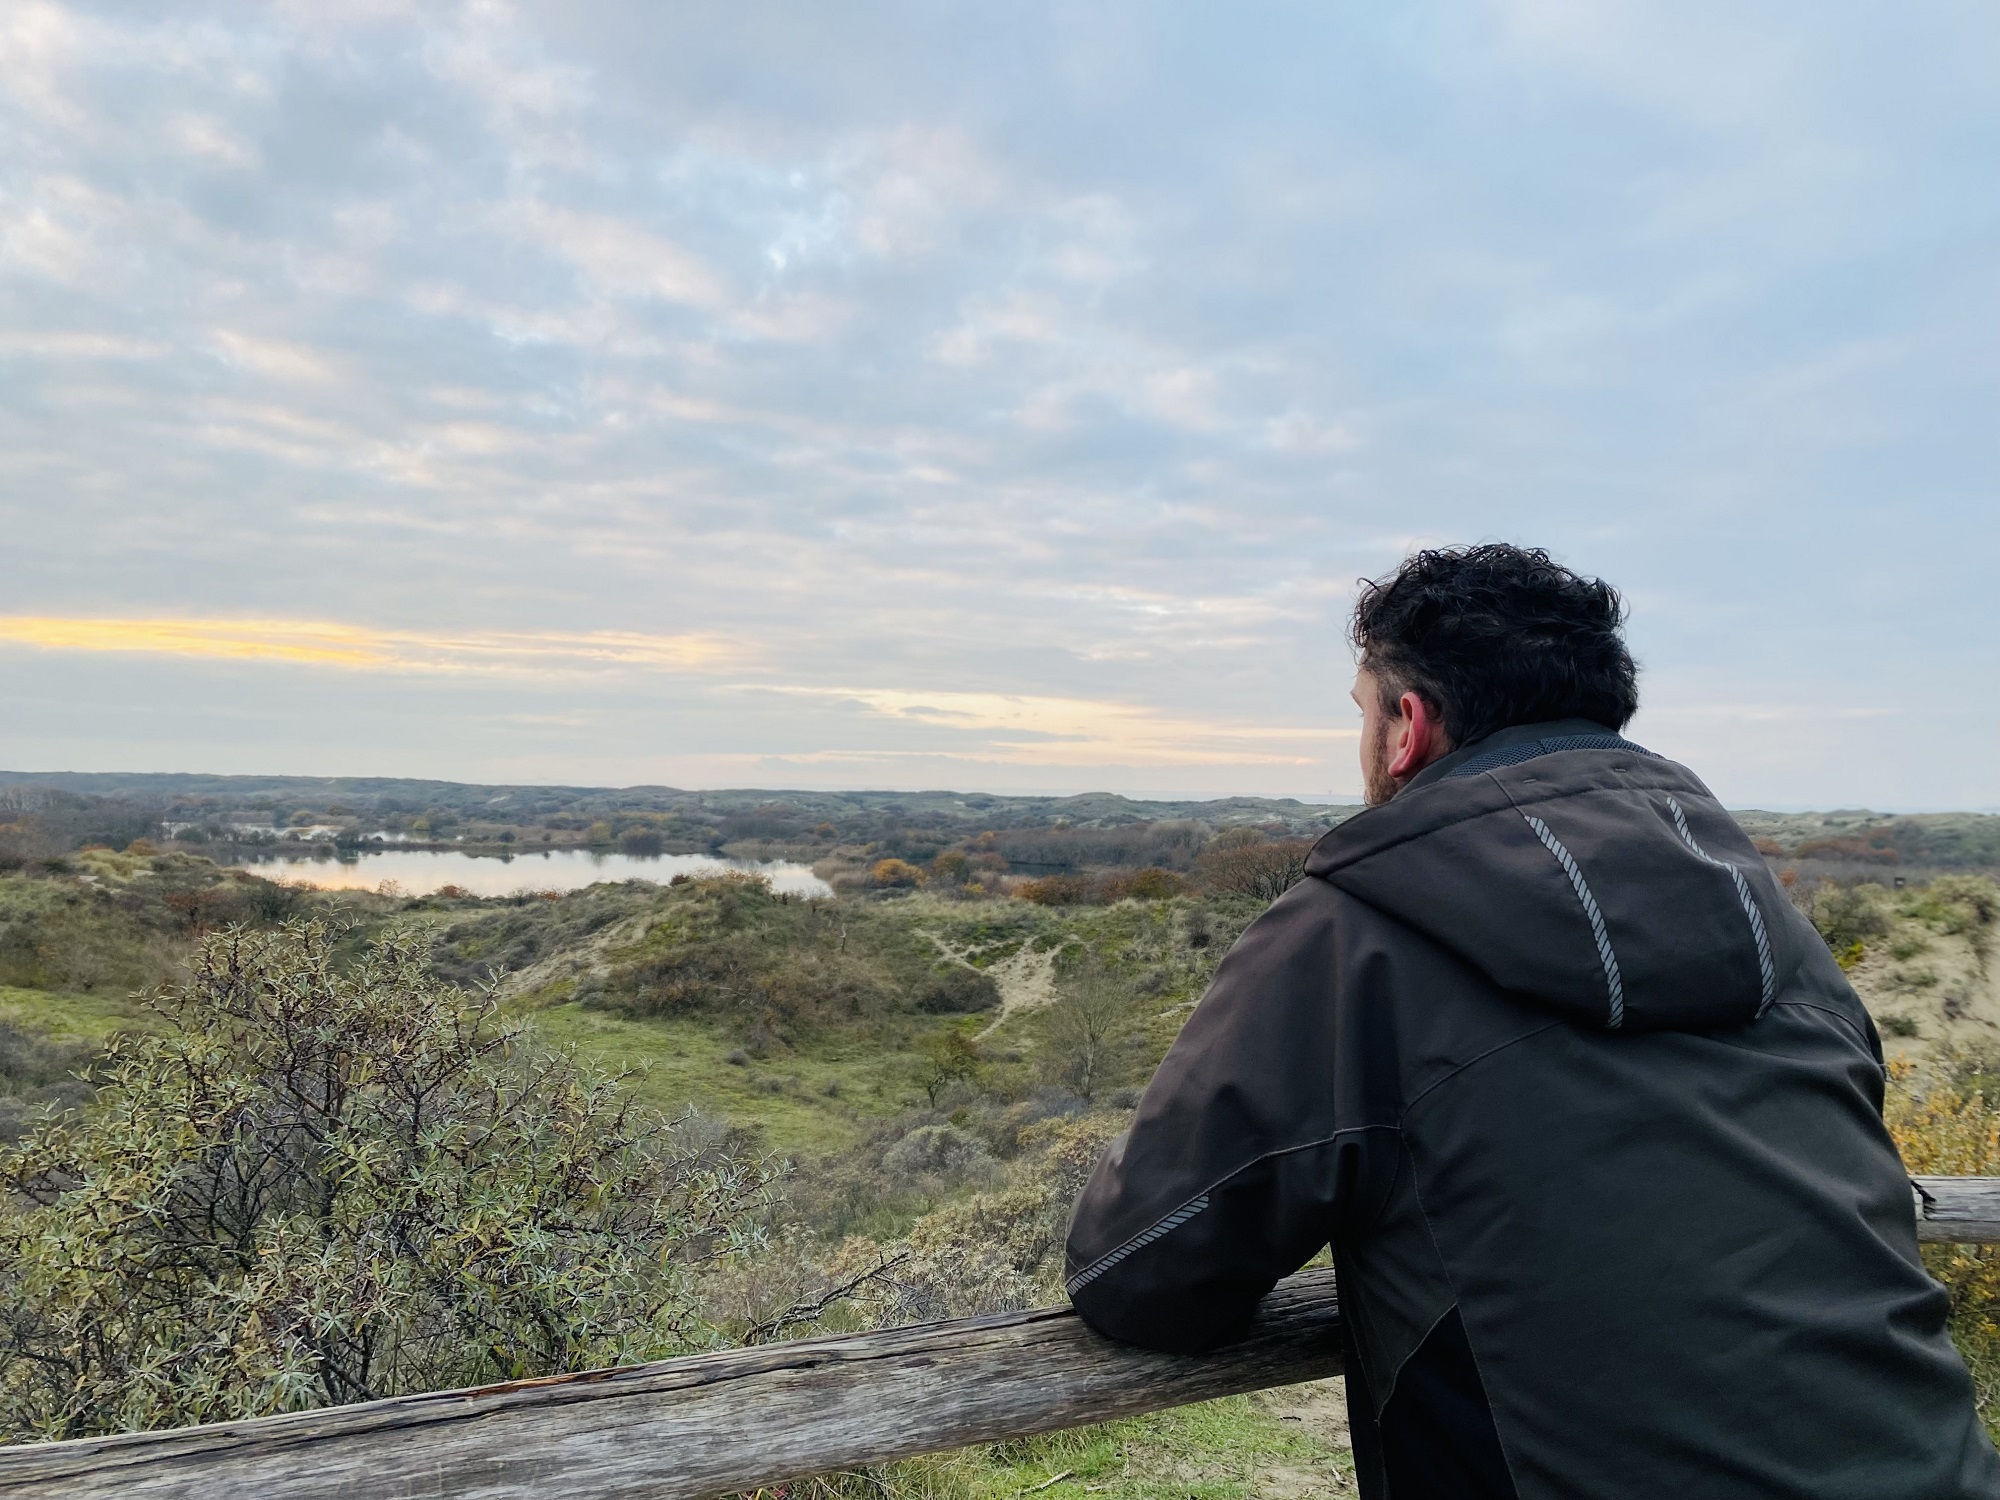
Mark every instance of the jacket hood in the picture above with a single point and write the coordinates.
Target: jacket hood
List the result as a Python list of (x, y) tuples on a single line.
[(1581, 873)]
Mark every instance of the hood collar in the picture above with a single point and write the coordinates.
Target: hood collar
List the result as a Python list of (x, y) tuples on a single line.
[(1581, 872), (1519, 742)]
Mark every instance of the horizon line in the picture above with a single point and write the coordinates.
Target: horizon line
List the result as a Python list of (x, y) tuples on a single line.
[(1328, 799)]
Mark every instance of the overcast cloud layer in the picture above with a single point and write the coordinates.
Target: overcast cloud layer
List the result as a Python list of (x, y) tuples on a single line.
[(987, 396)]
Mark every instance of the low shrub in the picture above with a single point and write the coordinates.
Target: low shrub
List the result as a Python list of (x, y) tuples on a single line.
[(434, 1205), (896, 874), (1846, 915), (1061, 890), (941, 1151), (996, 1250), (1103, 890), (958, 990), (1149, 885)]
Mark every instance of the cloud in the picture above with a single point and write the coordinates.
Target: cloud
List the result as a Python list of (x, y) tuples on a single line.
[(273, 358), (38, 42), (621, 260), (974, 728), (320, 643), (1080, 732), (1078, 373), (78, 344), (207, 138), (46, 242), (912, 193)]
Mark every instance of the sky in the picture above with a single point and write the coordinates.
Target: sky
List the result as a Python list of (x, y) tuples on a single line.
[(999, 397)]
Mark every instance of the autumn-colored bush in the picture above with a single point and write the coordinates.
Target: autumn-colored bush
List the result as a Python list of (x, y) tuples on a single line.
[(1059, 890), (893, 874), (1145, 885), (1103, 890), (1868, 851), (1946, 1123), (1246, 862)]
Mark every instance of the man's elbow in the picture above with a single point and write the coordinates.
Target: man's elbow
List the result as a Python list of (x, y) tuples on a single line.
[(1187, 1318)]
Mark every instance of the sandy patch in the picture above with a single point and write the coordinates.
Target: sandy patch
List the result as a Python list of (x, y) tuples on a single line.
[(1319, 1408), (587, 959), (1932, 981), (1026, 978)]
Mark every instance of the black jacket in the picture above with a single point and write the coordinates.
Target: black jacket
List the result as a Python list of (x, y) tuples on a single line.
[(1592, 1121)]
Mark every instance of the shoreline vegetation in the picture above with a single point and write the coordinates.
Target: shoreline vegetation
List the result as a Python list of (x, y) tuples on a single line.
[(849, 1111)]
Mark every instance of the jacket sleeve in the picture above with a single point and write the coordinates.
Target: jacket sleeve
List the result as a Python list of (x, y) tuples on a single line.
[(1238, 1165)]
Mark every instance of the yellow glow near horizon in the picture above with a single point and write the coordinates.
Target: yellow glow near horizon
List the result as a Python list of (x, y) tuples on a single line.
[(1016, 729), (359, 648)]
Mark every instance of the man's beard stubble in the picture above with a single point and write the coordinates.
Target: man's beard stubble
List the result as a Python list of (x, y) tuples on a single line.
[(1377, 785)]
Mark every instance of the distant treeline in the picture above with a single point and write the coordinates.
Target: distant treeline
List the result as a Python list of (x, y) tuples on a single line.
[(1948, 841), (44, 816), (48, 814), (39, 822)]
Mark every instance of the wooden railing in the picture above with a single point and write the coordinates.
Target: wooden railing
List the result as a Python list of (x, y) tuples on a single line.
[(684, 1429)]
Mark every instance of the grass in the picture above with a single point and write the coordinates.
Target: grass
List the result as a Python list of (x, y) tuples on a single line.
[(91, 1018), (681, 1061), (1238, 1448), (820, 1089)]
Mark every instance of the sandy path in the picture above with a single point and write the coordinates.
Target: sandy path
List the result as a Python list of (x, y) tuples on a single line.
[(1026, 978)]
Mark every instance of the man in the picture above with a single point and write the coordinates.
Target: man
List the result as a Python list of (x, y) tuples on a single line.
[(1585, 1108)]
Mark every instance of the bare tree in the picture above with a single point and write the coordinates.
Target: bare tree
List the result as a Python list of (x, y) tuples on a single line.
[(1244, 862), (1082, 1028), (946, 1057)]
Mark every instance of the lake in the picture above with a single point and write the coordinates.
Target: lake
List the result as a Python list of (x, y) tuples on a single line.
[(421, 871)]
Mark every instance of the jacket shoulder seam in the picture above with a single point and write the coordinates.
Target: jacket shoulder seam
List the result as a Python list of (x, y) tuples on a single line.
[(1845, 1019), (1559, 794), (1472, 1061)]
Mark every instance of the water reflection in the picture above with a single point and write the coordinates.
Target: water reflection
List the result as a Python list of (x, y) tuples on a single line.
[(421, 871)]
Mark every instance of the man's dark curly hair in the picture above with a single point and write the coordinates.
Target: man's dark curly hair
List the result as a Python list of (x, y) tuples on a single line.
[(1492, 636)]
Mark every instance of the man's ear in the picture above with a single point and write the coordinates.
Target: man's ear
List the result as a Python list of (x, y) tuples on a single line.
[(1422, 740)]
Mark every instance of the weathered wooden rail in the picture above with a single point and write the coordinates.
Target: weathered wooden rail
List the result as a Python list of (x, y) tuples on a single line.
[(1958, 1210), (686, 1429)]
